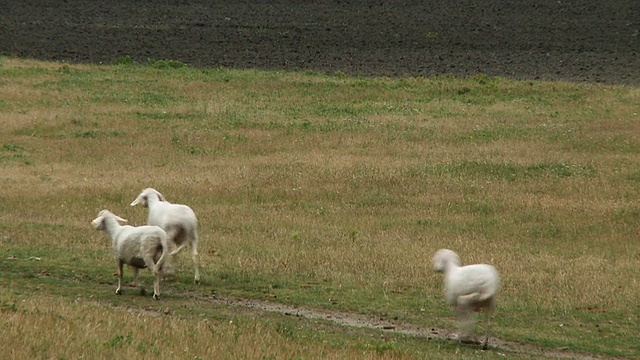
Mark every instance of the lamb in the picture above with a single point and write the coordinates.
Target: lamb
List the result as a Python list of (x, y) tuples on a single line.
[(140, 247), (179, 221), (468, 288)]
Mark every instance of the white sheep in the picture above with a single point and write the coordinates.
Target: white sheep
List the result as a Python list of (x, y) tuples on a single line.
[(179, 221), (140, 247), (469, 289)]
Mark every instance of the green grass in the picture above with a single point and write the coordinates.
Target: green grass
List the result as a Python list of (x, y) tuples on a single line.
[(328, 192)]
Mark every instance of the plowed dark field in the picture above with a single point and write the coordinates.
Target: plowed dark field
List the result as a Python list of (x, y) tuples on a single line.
[(588, 40)]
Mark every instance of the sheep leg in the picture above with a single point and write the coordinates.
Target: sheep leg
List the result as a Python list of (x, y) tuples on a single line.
[(194, 253), (168, 267), (156, 287), (135, 276), (148, 260), (465, 323), (489, 312), (119, 289), (172, 237), (194, 256), (176, 251), (485, 345), (157, 272)]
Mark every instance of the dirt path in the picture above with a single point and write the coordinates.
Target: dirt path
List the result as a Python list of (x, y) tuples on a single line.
[(369, 322)]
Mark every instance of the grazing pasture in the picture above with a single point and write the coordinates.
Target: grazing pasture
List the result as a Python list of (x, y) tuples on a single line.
[(321, 192)]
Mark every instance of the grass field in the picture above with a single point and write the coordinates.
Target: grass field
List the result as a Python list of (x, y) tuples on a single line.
[(318, 191)]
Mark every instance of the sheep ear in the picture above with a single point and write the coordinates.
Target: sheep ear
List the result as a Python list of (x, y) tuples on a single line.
[(120, 219), (136, 201), (97, 222), (160, 197)]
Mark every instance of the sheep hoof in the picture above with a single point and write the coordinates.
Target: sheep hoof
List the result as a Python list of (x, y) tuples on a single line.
[(485, 346), (118, 292), (156, 297), (197, 281)]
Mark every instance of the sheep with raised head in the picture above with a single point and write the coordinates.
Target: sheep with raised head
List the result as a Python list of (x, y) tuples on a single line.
[(178, 221), (468, 289), (139, 247)]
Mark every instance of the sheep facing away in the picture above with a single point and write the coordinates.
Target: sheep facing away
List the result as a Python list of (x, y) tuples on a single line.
[(468, 289), (179, 222), (139, 247)]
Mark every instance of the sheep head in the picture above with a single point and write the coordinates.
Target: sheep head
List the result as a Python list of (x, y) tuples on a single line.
[(98, 223), (443, 258), (145, 195)]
